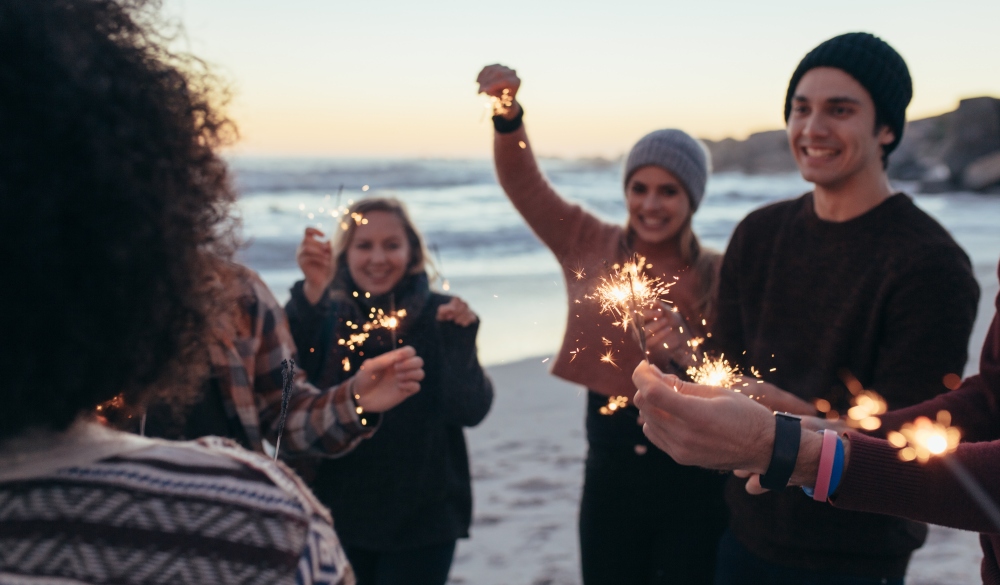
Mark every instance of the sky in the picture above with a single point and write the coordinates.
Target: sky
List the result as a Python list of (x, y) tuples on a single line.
[(389, 78)]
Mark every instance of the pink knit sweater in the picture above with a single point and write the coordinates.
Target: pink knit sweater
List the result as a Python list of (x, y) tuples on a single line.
[(586, 248)]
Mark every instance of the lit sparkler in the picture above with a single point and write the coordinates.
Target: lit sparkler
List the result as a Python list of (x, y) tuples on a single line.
[(924, 439), (626, 292), (866, 406), (500, 104), (716, 372), (615, 403)]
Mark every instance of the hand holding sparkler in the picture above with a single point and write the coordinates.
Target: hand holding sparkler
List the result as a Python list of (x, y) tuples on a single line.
[(315, 258), (703, 425), (383, 382), (501, 84), (670, 338)]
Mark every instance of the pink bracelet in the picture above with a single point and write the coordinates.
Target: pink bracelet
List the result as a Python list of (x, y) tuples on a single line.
[(826, 458)]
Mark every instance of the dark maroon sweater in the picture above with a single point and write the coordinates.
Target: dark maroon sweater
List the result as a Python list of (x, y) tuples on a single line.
[(877, 481), (888, 297)]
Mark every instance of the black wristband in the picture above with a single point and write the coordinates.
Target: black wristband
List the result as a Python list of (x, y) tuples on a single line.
[(504, 126), (787, 435)]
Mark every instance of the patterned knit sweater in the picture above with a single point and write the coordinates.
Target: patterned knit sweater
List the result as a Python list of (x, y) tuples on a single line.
[(92, 505)]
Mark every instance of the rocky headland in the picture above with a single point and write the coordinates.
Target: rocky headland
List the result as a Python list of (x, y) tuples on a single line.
[(956, 151)]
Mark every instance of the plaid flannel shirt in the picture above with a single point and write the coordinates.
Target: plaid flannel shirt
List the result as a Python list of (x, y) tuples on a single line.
[(247, 365)]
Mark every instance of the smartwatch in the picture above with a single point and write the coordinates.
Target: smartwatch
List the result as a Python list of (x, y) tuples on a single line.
[(787, 435)]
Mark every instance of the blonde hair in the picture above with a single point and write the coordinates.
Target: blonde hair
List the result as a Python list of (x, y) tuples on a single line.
[(420, 260)]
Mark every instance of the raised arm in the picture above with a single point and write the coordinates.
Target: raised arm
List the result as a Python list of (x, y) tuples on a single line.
[(561, 225)]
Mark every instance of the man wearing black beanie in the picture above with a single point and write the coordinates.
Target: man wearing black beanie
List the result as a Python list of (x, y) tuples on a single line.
[(850, 286)]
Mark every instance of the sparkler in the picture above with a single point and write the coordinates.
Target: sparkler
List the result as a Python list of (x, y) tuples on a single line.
[(500, 104), (287, 371), (924, 439), (626, 292), (378, 319), (615, 403), (716, 372)]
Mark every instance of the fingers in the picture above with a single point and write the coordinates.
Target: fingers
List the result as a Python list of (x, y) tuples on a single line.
[(698, 390), (457, 311), (753, 486), (493, 79), (313, 233), (380, 363), (411, 369)]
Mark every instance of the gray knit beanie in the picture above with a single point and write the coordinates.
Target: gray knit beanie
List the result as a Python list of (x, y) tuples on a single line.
[(677, 152)]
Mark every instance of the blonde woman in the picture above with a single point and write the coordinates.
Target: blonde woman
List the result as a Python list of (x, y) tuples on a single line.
[(404, 496)]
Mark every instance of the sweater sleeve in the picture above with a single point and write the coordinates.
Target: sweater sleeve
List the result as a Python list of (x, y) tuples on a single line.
[(562, 226), (318, 422), (877, 481), (466, 390), (927, 324)]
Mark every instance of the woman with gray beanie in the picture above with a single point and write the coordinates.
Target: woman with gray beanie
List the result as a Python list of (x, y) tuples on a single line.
[(664, 182)]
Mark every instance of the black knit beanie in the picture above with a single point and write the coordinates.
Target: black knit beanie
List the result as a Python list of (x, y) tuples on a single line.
[(875, 65)]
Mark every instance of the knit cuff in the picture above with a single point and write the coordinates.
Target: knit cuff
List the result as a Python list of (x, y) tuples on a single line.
[(875, 480), (504, 126)]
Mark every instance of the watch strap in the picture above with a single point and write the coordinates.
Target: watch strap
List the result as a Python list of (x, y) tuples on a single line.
[(787, 435)]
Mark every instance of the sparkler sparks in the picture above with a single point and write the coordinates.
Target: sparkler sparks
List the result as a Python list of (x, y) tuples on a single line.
[(615, 403), (502, 104), (867, 405), (626, 292), (716, 372), (924, 438), (607, 359)]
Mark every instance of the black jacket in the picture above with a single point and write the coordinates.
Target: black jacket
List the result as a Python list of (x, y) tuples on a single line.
[(409, 485)]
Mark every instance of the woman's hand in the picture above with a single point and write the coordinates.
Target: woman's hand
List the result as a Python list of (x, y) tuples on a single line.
[(668, 337), (457, 311), (385, 381), (494, 79), (315, 258)]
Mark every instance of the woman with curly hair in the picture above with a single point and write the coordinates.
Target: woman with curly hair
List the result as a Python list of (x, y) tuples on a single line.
[(114, 223)]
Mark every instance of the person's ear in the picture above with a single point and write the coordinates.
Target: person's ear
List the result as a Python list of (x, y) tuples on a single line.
[(885, 135)]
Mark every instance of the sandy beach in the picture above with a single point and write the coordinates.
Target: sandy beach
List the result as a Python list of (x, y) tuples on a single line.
[(527, 465)]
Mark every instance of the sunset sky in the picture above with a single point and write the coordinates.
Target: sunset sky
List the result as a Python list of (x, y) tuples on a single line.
[(376, 78)]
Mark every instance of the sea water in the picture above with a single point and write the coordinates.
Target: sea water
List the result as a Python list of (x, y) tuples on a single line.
[(489, 255)]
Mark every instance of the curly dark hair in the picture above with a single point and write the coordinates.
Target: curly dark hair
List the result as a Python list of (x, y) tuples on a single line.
[(115, 208)]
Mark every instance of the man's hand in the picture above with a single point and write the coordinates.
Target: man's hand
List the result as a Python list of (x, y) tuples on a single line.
[(457, 311), (703, 425), (494, 79), (315, 258), (385, 381)]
